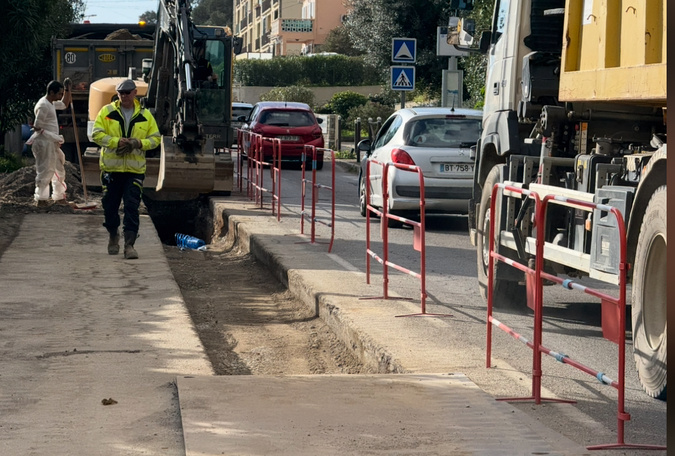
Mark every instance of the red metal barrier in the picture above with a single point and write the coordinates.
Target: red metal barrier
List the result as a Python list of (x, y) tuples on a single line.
[(242, 145), (419, 242), (255, 171), (613, 328), (315, 196)]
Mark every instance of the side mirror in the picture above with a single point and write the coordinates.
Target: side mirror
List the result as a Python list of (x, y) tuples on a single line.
[(319, 120), (364, 146), (485, 39), (241, 119)]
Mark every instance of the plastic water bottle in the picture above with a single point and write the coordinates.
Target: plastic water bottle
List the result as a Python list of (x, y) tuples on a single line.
[(185, 241)]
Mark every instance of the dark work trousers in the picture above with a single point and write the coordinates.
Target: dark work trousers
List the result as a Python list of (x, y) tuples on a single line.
[(118, 187)]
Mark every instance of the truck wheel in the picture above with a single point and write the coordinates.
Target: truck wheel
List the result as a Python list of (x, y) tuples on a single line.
[(649, 298), (506, 294)]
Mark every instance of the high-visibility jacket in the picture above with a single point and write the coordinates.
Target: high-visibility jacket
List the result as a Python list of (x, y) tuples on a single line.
[(110, 127)]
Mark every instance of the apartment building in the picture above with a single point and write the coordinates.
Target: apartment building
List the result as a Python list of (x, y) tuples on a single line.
[(271, 28)]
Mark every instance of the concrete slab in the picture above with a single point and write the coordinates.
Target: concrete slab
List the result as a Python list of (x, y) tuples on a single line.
[(425, 414), (78, 326)]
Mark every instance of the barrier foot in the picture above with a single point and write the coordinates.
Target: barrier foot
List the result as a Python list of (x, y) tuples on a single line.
[(425, 314), (617, 446), (532, 398)]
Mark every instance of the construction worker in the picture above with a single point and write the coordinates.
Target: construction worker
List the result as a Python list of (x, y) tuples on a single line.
[(124, 130), (45, 142)]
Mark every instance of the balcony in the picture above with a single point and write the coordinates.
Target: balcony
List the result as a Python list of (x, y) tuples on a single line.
[(297, 25)]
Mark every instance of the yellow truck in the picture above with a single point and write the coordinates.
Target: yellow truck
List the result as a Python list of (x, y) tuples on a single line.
[(575, 106)]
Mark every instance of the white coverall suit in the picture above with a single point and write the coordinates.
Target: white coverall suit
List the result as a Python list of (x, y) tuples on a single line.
[(49, 158)]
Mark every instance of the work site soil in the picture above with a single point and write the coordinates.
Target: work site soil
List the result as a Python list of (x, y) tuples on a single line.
[(247, 321)]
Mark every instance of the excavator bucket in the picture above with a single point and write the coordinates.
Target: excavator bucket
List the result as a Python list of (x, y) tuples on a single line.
[(201, 172)]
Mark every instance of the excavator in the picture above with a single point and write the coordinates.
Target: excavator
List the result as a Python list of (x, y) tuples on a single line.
[(193, 114)]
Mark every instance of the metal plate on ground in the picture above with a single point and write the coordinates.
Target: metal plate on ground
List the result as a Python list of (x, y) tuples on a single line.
[(356, 414)]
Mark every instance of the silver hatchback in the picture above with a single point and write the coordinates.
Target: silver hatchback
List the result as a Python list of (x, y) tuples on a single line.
[(438, 141)]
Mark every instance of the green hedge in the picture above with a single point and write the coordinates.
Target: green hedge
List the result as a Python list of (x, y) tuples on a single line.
[(316, 71)]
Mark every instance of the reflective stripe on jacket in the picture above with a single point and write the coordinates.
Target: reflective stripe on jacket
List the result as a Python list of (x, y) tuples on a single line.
[(109, 127)]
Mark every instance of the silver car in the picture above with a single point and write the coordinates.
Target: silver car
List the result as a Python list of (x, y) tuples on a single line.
[(439, 142), (240, 112)]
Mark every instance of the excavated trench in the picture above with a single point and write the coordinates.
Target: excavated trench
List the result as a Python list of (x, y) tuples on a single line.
[(190, 217), (248, 322)]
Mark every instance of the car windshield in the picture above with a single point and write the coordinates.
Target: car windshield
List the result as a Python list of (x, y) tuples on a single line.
[(443, 132), (240, 111), (287, 118)]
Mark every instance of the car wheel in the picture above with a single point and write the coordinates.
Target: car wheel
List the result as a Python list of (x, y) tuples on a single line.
[(362, 196)]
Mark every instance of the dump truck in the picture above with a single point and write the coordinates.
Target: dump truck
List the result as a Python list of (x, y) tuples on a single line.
[(194, 116), (575, 107), (88, 53)]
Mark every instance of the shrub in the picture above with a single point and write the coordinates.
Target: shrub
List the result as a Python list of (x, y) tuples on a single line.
[(342, 102), (10, 162), (334, 70), (291, 93), (370, 109)]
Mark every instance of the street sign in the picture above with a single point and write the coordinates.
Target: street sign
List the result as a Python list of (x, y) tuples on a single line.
[(403, 78), (404, 50)]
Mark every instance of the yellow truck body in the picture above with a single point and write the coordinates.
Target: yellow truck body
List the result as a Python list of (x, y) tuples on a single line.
[(614, 50)]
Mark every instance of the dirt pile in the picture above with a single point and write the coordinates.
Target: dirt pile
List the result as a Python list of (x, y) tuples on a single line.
[(17, 188), (123, 34)]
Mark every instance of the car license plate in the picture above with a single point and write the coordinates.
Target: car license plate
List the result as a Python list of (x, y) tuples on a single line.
[(289, 138), (456, 168)]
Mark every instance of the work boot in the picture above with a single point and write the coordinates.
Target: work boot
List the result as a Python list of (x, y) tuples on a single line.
[(129, 251), (114, 243)]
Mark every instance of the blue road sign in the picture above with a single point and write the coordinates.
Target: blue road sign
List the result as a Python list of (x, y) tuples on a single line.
[(404, 50), (403, 78)]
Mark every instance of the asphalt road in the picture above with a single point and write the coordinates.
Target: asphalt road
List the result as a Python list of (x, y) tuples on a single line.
[(571, 319)]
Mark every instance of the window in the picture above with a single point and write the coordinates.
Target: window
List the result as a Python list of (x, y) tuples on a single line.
[(444, 132), (388, 131), (501, 19)]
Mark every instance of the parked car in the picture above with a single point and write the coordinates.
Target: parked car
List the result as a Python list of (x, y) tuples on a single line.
[(441, 142), (240, 112), (294, 123)]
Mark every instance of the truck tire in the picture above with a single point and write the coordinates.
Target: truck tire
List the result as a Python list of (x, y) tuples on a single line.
[(506, 294), (649, 299)]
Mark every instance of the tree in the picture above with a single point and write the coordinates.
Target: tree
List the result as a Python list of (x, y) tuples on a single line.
[(338, 40), (150, 17), (212, 12), (372, 24), (29, 25)]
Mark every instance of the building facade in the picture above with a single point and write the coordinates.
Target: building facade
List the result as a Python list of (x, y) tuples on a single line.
[(271, 28)]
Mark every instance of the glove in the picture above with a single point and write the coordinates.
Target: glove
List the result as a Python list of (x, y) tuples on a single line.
[(67, 84), (135, 143), (123, 146)]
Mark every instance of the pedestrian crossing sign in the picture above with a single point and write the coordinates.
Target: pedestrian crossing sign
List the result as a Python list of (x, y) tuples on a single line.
[(403, 78), (404, 50)]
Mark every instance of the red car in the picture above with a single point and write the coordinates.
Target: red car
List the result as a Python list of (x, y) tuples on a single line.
[(294, 123)]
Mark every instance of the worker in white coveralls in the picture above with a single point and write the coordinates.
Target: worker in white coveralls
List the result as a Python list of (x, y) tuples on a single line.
[(45, 142)]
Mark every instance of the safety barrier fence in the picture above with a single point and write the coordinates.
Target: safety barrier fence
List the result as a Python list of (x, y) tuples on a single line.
[(419, 242), (252, 145), (613, 309), (315, 186)]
